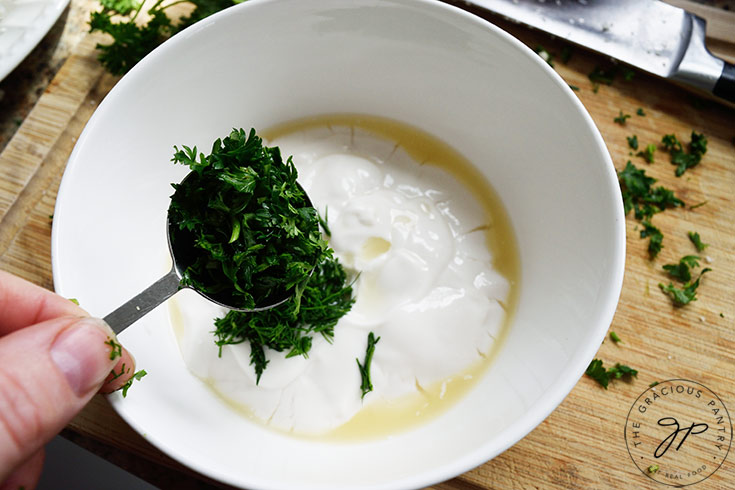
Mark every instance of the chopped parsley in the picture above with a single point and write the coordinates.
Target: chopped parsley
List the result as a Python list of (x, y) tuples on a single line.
[(74, 300), (686, 294), (133, 39), (245, 231), (115, 349), (655, 383), (640, 195), (681, 271), (136, 377), (685, 160), (315, 309), (640, 112), (603, 376), (367, 386), (655, 243), (615, 337), (621, 118), (653, 468), (645, 200), (697, 241), (600, 76), (632, 141), (647, 154)]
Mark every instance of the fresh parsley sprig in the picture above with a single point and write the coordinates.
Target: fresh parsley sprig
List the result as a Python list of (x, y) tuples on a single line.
[(132, 37)]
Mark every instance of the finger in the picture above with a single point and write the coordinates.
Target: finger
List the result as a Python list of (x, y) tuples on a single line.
[(120, 374), (26, 476), (22, 303), (48, 373)]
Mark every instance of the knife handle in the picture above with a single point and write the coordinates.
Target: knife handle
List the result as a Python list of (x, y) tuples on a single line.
[(725, 85)]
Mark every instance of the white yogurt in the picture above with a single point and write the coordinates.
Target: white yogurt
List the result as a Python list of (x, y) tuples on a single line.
[(426, 287)]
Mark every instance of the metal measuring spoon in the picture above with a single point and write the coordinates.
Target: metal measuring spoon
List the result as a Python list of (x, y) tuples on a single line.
[(170, 284)]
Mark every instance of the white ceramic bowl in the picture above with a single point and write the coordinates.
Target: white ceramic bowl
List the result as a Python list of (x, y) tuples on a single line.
[(422, 62)]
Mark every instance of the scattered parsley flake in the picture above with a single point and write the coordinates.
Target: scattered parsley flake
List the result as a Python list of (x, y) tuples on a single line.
[(653, 468), (655, 383), (698, 205), (681, 271), (684, 296), (640, 112), (598, 76), (137, 376), (622, 118), (655, 243), (117, 375), (697, 241), (632, 141), (74, 300), (615, 337), (682, 159), (367, 386), (647, 154), (115, 348), (574, 87), (640, 195), (597, 371)]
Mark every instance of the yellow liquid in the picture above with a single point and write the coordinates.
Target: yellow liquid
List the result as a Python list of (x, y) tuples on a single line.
[(384, 418)]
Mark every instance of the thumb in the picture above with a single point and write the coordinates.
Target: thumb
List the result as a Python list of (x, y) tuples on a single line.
[(48, 372)]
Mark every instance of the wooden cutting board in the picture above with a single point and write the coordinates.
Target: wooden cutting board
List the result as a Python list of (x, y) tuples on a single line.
[(581, 444)]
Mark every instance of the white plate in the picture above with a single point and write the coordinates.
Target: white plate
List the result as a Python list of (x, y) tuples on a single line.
[(23, 23), (417, 61)]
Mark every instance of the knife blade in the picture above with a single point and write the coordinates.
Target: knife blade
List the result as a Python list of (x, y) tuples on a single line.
[(651, 35)]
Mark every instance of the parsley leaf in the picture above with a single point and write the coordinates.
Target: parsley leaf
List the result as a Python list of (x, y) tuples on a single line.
[(682, 159), (632, 141), (614, 337), (697, 241), (597, 372), (132, 40), (245, 230), (655, 238), (367, 386), (136, 377), (681, 297), (681, 271), (622, 118), (115, 349), (640, 195), (647, 154), (599, 75), (640, 112)]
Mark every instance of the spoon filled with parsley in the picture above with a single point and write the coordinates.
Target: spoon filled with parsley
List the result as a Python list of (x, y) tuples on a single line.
[(241, 231)]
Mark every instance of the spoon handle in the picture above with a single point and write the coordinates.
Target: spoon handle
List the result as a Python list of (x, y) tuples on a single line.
[(152, 296)]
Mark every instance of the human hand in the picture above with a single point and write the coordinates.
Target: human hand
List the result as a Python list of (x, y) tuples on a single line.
[(53, 358)]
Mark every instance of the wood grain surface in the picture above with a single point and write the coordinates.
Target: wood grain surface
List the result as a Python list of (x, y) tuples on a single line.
[(581, 444)]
